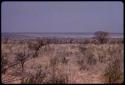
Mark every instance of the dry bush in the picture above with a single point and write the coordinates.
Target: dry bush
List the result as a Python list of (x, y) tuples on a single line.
[(53, 63), (102, 58), (21, 58), (36, 78), (88, 55), (101, 36), (47, 48), (82, 48), (60, 78), (91, 60), (113, 72), (87, 63), (35, 46), (82, 64), (4, 62), (44, 76), (64, 60), (61, 55), (86, 59)]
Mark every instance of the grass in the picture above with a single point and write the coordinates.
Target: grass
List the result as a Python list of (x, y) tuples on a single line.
[(65, 62), (113, 72), (4, 62), (36, 78)]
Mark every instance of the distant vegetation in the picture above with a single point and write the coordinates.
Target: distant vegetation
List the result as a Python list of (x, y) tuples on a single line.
[(99, 37), (102, 37)]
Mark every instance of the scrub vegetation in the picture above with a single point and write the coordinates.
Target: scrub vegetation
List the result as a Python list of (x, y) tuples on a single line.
[(63, 60)]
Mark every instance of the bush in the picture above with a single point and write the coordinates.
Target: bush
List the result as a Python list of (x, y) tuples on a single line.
[(64, 60), (55, 78), (21, 58), (86, 58), (84, 67), (36, 45), (61, 78), (62, 56), (82, 48), (102, 37), (102, 58), (36, 78), (113, 72), (4, 62), (91, 60)]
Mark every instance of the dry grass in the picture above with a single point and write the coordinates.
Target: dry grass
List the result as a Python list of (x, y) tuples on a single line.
[(64, 63), (113, 72)]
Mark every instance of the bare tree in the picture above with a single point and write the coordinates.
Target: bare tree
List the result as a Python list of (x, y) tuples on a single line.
[(21, 58), (101, 36)]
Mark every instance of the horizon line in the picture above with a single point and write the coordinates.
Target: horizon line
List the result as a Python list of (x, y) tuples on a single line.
[(63, 32)]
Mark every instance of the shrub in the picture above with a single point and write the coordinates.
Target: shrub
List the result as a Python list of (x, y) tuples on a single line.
[(82, 49), (4, 62), (61, 78), (86, 58), (91, 60), (55, 78), (41, 77), (37, 44), (102, 58), (113, 72), (84, 67), (64, 60), (36, 78), (21, 58), (101, 36)]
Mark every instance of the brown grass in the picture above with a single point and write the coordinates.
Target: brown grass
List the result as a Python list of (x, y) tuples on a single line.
[(63, 63)]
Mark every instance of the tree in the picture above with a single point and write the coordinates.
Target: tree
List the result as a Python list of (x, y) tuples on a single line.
[(101, 36), (21, 58)]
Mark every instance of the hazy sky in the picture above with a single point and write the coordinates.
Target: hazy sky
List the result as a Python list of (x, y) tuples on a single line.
[(63, 16)]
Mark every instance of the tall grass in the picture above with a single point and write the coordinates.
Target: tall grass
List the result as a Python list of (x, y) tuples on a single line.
[(4, 62), (36, 78), (113, 72)]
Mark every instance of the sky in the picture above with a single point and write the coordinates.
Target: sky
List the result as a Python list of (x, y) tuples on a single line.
[(62, 16)]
